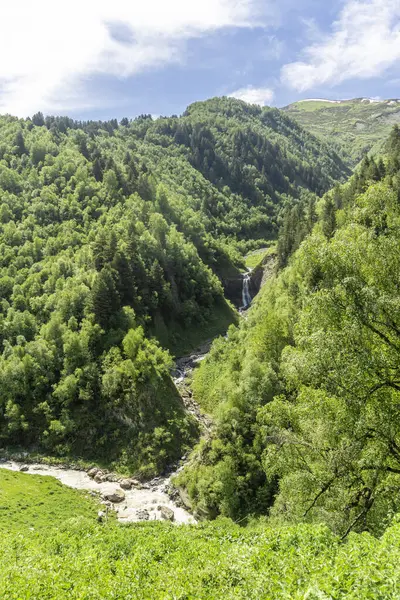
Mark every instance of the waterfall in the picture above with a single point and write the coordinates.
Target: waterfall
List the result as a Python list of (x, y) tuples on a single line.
[(246, 296)]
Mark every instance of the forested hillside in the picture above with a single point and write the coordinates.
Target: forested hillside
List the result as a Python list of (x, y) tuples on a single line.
[(114, 238), (352, 127), (305, 392)]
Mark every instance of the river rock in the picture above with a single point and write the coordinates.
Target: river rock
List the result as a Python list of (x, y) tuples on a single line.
[(136, 483), (143, 515), (24, 468), (126, 484), (99, 477), (115, 497), (111, 477), (166, 513), (93, 472), (100, 516)]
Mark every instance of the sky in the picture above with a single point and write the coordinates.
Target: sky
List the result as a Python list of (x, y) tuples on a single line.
[(101, 59)]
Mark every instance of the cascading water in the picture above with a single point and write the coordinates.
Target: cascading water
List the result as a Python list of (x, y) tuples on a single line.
[(246, 296)]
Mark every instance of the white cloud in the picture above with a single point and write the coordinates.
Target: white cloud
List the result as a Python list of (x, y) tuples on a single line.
[(252, 95), (364, 42), (49, 48)]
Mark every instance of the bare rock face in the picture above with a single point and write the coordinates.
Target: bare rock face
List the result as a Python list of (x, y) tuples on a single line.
[(126, 484), (115, 497), (166, 513)]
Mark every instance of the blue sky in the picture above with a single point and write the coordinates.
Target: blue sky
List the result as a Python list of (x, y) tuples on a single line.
[(115, 58)]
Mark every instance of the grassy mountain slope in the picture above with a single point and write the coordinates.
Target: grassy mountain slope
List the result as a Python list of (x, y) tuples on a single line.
[(56, 550), (36, 503), (354, 127)]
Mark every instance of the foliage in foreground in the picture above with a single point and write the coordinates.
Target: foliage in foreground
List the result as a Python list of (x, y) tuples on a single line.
[(82, 560), (52, 547)]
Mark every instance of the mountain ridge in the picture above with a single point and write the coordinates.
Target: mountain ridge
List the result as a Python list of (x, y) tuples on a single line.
[(354, 127)]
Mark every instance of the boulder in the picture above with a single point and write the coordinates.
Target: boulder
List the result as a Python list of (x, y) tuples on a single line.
[(115, 497), (143, 515), (24, 468), (99, 477), (100, 516), (126, 484), (93, 472), (166, 513), (136, 483)]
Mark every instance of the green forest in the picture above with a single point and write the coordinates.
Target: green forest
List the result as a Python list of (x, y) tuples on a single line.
[(115, 240), (306, 392), (118, 241)]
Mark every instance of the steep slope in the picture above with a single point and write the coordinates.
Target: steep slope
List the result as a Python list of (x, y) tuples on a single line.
[(258, 158), (354, 126), (305, 393)]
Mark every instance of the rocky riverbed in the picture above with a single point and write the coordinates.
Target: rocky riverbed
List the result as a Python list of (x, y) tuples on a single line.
[(181, 376), (131, 499)]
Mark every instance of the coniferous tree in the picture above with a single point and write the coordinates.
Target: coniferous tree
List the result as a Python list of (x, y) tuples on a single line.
[(106, 300), (38, 119), (329, 217)]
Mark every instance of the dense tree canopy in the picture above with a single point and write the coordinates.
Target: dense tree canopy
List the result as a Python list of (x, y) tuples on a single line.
[(113, 238), (306, 392)]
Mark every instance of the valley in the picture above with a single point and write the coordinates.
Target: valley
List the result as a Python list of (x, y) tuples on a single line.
[(200, 318)]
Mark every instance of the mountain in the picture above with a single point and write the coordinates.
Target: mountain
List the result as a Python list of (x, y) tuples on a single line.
[(115, 238), (115, 242), (305, 392), (353, 127)]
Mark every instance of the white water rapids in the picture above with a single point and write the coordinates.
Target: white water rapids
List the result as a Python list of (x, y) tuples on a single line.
[(137, 502), (142, 502)]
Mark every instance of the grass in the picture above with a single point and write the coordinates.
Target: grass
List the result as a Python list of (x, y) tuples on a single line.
[(253, 259), (181, 341), (53, 548), (354, 127), (312, 106), (211, 561), (33, 501)]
